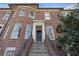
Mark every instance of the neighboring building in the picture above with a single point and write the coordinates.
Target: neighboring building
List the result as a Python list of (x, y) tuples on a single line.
[(23, 26)]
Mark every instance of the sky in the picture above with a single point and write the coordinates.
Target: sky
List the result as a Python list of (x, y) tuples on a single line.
[(43, 5), (54, 5), (4, 5)]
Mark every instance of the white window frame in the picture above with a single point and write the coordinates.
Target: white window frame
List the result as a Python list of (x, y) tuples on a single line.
[(22, 12), (7, 49), (6, 16), (30, 16), (47, 16), (52, 37), (14, 30)]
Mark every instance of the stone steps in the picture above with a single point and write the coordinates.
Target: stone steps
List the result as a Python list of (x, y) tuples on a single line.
[(32, 54), (38, 49)]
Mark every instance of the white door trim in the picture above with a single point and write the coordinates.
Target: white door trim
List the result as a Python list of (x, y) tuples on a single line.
[(38, 23)]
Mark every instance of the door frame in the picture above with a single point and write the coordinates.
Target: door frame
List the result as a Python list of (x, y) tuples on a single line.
[(38, 23)]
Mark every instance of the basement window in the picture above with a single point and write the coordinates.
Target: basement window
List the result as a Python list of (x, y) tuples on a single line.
[(10, 51), (16, 31)]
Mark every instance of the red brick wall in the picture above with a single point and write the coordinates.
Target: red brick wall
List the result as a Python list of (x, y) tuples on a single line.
[(24, 21)]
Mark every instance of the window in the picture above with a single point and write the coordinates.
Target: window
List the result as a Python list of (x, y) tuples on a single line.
[(50, 33), (6, 16), (1, 28), (22, 12), (32, 14), (16, 31), (28, 31), (47, 16), (10, 51), (38, 27)]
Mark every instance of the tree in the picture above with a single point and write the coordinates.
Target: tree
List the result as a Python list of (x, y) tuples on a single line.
[(70, 38)]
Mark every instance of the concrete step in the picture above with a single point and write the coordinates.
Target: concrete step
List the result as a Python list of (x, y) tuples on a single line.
[(38, 49), (40, 45), (40, 52), (38, 42), (34, 54)]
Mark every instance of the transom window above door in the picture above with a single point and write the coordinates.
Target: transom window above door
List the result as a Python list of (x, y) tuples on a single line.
[(38, 27)]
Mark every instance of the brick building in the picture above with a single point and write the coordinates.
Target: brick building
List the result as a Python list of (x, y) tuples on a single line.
[(26, 29)]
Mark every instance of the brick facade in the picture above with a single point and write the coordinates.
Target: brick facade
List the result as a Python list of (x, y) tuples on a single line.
[(24, 20)]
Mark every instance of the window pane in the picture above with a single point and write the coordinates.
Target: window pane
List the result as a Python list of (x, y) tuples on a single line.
[(29, 28), (28, 31), (1, 28), (49, 32), (9, 51), (22, 12), (16, 31), (32, 14), (15, 34), (47, 15), (6, 16), (47, 18)]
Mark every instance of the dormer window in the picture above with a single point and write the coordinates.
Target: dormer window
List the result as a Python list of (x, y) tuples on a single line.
[(32, 14), (47, 16), (22, 12)]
